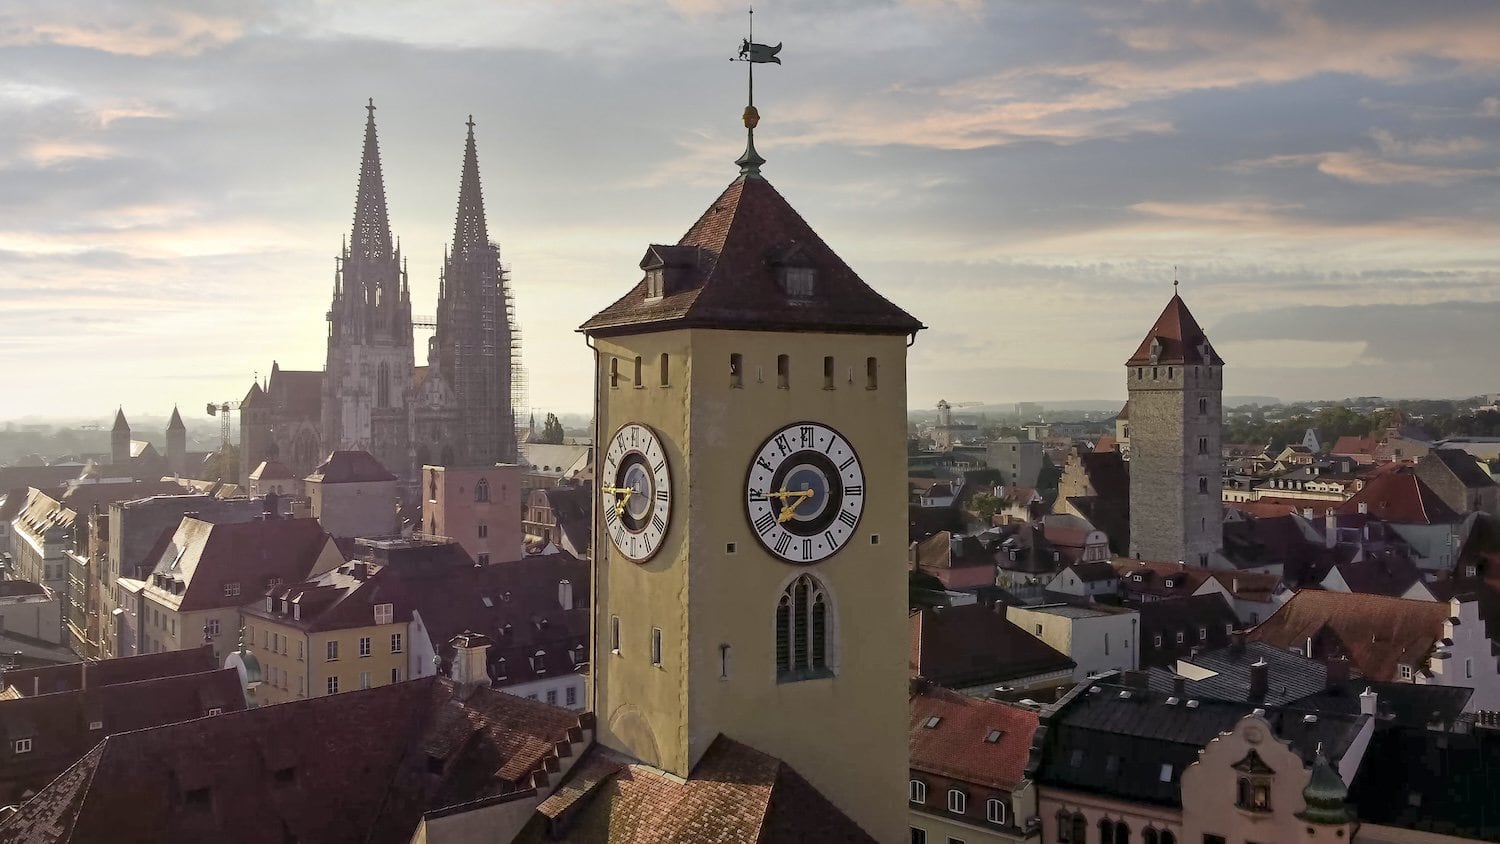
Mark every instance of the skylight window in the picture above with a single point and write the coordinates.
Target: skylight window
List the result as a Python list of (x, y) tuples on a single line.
[(933, 721), (994, 736), (1166, 773)]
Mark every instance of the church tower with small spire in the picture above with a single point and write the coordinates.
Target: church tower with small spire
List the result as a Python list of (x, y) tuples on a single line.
[(176, 444), (1176, 384), (367, 383), (472, 350), (119, 439)]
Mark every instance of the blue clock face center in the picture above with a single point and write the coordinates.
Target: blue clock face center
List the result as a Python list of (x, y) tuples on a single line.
[(806, 478), (638, 480)]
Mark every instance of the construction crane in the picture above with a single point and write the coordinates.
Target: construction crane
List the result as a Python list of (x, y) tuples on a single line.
[(221, 410)]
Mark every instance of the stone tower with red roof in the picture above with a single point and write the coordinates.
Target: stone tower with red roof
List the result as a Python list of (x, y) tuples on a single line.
[(1175, 381)]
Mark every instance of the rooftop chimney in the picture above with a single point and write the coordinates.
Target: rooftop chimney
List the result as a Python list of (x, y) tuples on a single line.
[(1260, 680), (1237, 642), (470, 653), (1331, 528), (1338, 672), (1367, 701), (1179, 686)]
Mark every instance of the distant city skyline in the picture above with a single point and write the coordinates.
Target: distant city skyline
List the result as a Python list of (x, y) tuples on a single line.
[(1027, 179)]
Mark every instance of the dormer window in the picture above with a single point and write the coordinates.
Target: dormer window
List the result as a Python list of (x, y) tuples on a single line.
[(655, 283), (799, 282), (1155, 351)]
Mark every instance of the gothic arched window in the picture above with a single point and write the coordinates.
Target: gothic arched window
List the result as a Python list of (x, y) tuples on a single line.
[(482, 490), (802, 630), (383, 385)]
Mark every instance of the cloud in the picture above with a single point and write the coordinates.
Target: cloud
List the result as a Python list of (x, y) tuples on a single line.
[(135, 29)]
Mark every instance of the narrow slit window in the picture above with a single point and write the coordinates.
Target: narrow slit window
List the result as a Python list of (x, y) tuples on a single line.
[(783, 372), (656, 646), (614, 634), (664, 369), (871, 374), (638, 382), (736, 370), (828, 372), (614, 372)]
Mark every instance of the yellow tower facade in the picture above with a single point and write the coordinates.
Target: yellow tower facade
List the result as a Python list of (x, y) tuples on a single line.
[(750, 536)]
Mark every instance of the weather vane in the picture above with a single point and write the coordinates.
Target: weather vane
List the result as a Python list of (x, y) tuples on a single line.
[(753, 54)]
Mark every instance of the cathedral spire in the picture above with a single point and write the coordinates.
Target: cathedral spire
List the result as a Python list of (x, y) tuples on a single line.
[(469, 230), (372, 227)]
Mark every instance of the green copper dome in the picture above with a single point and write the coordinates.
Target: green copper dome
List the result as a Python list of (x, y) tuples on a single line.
[(1325, 795)]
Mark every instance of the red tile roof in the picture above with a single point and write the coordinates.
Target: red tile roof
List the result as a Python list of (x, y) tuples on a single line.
[(728, 264), (974, 645), (1376, 632), (307, 770), (111, 672), (1403, 498), (958, 746), (226, 565), (61, 725), (350, 467), (1354, 445), (1180, 339), (735, 795)]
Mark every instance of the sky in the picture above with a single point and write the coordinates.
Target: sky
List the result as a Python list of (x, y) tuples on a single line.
[(1026, 178)]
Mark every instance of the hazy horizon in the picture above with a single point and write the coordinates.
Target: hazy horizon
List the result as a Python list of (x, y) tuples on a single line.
[(1027, 179)]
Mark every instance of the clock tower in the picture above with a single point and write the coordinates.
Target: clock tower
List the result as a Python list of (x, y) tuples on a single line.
[(750, 530)]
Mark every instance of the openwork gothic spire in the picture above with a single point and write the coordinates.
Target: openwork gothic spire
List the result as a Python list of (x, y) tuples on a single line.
[(372, 227), (469, 230)]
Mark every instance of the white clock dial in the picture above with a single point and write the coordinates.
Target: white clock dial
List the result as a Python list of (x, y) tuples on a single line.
[(636, 490), (804, 492)]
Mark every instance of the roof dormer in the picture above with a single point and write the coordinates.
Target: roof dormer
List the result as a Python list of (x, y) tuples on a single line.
[(669, 269), (795, 273)]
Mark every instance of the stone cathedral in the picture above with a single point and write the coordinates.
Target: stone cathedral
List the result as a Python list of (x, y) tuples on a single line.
[(371, 395)]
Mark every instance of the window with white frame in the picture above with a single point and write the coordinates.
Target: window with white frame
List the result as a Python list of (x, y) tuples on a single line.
[(395, 675), (332, 650), (384, 613), (1406, 671), (364, 679), (211, 627), (957, 801), (364, 646), (396, 643), (917, 791), (333, 685), (571, 695), (22, 745), (994, 810), (232, 589)]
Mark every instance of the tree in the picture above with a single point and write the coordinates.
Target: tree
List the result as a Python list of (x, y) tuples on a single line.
[(223, 465), (552, 431), (985, 506)]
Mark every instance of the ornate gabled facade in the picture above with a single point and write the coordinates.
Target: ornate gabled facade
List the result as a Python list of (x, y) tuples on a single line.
[(371, 396)]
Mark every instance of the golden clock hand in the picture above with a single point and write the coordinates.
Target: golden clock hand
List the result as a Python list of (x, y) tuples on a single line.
[(618, 491), (789, 511)]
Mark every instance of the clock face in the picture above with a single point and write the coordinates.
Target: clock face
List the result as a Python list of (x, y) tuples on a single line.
[(637, 492), (804, 492)]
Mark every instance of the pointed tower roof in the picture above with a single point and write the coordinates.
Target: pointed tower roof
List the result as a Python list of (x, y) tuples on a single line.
[(254, 396), (469, 230), (120, 423), (372, 227), (175, 423), (1175, 338), (731, 271)]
